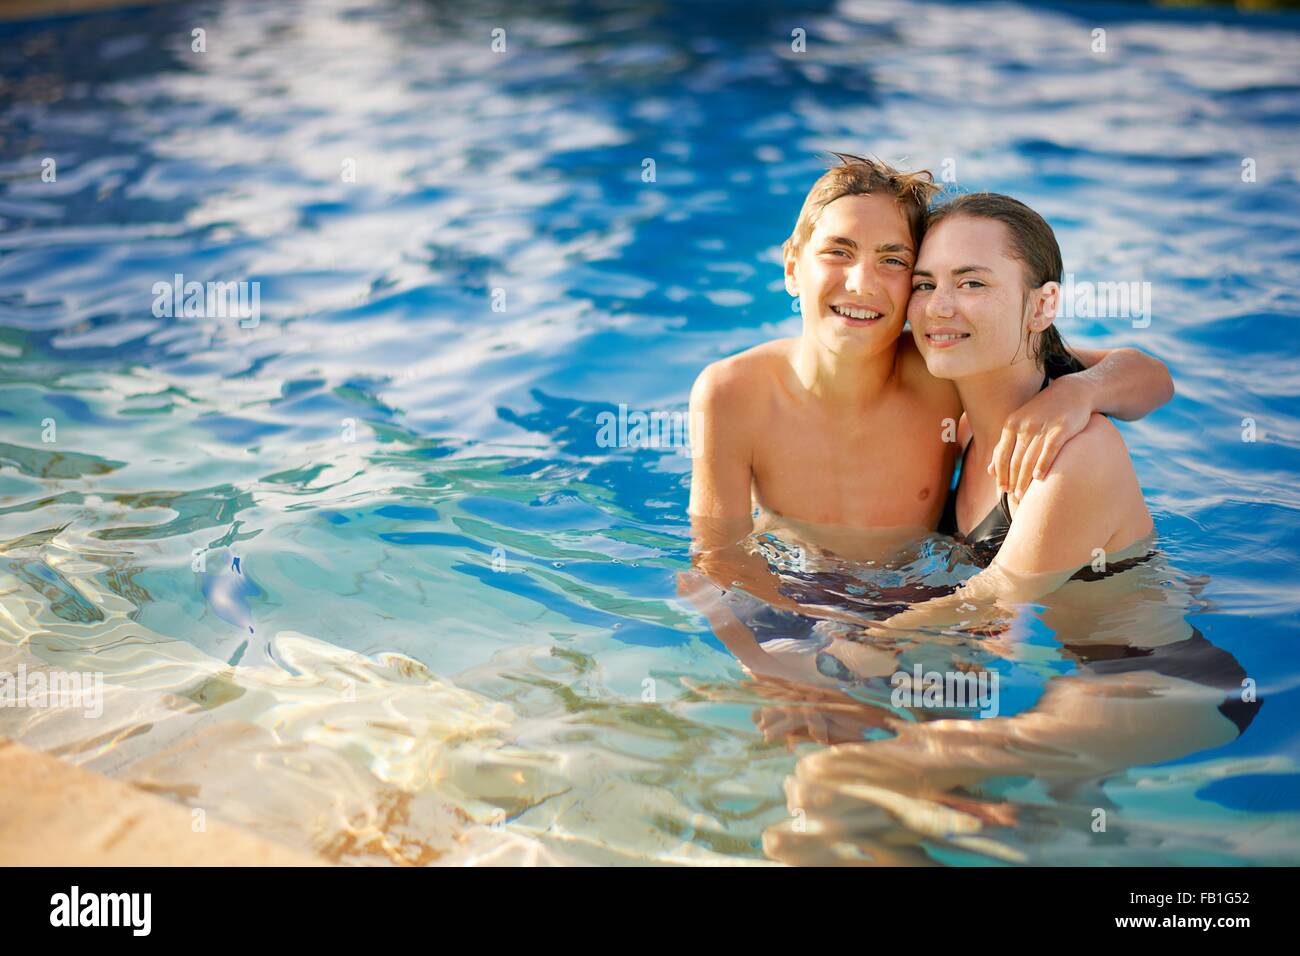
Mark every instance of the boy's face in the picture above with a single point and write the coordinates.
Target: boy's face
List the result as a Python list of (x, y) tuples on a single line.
[(854, 274)]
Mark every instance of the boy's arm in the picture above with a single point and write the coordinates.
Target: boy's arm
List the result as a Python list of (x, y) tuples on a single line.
[(721, 453), (1122, 383), (721, 511), (1128, 384), (721, 507)]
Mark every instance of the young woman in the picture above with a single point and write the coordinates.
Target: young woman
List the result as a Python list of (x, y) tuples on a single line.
[(984, 297)]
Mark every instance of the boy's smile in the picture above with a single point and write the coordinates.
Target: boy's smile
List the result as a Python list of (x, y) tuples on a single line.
[(856, 314)]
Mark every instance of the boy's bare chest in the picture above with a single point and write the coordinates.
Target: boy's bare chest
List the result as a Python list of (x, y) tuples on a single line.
[(885, 470)]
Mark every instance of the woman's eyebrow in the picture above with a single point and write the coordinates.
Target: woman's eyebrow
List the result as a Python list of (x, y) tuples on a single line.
[(960, 270)]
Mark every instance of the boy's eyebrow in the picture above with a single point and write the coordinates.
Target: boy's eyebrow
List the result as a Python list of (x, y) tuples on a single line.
[(882, 247), (894, 247)]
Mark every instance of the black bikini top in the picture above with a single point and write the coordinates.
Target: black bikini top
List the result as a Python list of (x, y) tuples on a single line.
[(985, 539)]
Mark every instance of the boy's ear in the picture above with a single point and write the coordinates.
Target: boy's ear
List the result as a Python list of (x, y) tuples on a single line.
[(790, 259), (1048, 298)]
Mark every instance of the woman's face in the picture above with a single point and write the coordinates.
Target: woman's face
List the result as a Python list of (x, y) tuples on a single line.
[(968, 309)]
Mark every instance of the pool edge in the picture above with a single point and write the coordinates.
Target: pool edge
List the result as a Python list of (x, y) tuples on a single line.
[(55, 814)]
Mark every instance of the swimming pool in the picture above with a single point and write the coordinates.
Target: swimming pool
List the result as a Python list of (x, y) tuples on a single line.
[(362, 571)]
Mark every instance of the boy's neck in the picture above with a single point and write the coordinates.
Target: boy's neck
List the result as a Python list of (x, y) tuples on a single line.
[(989, 398), (847, 379)]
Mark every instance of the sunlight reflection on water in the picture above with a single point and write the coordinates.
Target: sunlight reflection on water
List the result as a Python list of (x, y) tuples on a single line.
[(454, 616)]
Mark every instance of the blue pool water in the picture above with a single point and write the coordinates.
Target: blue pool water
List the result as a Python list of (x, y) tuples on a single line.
[(454, 630)]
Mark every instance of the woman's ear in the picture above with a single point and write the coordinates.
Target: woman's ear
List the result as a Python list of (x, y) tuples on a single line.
[(1047, 299)]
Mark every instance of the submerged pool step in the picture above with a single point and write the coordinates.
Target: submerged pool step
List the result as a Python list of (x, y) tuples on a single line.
[(55, 814)]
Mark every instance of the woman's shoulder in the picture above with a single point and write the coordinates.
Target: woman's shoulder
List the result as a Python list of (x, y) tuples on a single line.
[(1091, 498), (1095, 454)]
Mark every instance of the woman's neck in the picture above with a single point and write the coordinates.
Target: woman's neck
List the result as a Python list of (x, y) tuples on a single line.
[(990, 397)]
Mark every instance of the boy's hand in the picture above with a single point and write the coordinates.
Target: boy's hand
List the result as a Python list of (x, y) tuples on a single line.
[(1034, 433)]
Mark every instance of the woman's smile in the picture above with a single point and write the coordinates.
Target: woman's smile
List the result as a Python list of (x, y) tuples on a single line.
[(942, 338)]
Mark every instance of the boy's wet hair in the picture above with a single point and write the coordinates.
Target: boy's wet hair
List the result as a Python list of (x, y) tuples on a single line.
[(1033, 242), (860, 176)]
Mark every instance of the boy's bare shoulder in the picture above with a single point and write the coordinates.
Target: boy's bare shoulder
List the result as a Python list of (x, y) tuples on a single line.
[(742, 383)]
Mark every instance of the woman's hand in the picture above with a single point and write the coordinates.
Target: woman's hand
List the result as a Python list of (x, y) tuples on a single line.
[(1034, 434)]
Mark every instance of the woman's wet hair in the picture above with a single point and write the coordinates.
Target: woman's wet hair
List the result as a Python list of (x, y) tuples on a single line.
[(1033, 243)]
